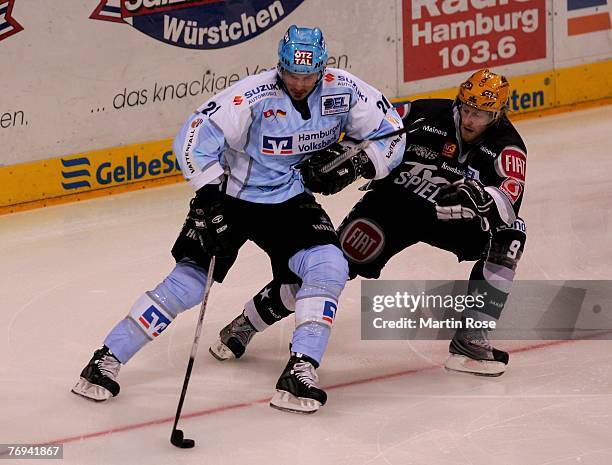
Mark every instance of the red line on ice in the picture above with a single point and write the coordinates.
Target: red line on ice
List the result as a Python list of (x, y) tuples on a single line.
[(227, 408)]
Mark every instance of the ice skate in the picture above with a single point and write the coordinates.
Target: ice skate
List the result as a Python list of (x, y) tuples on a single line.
[(98, 378), (297, 388), (233, 339), (471, 352)]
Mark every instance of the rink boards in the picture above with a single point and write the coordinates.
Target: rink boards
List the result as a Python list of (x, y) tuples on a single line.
[(100, 172), (91, 103)]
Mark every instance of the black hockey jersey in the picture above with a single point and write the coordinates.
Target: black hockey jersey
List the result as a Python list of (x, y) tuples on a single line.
[(435, 156)]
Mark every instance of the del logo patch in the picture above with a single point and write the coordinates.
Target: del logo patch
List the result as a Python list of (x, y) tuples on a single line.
[(199, 24), (334, 104)]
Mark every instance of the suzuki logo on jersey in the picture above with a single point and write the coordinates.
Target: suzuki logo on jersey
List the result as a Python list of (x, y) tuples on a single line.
[(362, 240), (344, 81), (154, 321), (335, 104), (329, 77), (238, 99), (302, 57), (272, 145), (329, 312), (512, 163)]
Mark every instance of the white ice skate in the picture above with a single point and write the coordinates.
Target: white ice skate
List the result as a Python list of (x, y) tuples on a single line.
[(472, 353)]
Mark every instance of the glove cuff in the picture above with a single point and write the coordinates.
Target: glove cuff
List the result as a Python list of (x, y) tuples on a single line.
[(210, 193), (363, 165)]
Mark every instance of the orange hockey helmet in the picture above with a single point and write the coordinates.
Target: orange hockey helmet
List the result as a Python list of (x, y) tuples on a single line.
[(485, 90)]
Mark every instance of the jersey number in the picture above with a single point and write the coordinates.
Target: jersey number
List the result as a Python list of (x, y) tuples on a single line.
[(514, 248), (383, 104), (210, 109)]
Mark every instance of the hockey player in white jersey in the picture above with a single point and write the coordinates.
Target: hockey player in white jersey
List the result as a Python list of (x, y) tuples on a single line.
[(239, 151)]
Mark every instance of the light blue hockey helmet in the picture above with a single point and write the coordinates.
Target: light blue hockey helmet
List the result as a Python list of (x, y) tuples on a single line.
[(302, 50)]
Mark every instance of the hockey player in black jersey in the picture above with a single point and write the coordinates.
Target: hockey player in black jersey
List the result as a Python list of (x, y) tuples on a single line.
[(460, 187)]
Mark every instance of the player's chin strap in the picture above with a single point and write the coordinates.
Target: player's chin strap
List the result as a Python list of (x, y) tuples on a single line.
[(414, 126)]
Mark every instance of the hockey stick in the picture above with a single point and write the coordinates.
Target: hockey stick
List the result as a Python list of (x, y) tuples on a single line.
[(177, 437), (363, 144)]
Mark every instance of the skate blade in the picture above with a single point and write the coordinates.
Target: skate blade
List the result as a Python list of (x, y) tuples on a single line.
[(287, 402), (462, 364), (221, 352), (91, 391)]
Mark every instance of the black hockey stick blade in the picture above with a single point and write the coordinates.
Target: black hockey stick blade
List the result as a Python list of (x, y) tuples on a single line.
[(177, 439)]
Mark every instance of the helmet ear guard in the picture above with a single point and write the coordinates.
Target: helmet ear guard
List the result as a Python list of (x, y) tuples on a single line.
[(486, 91), (302, 50)]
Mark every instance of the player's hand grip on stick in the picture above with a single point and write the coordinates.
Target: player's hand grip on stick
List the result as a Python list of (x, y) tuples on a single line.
[(207, 213), (332, 169)]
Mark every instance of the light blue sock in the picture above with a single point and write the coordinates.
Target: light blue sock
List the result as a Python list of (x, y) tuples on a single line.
[(324, 271), (153, 312), (311, 339)]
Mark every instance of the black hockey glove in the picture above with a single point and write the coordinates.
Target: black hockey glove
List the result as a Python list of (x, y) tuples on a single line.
[(206, 212), (326, 182), (464, 200)]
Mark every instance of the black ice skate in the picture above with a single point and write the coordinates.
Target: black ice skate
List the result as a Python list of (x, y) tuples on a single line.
[(297, 388), (471, 352), (98, 377), (233, 339)]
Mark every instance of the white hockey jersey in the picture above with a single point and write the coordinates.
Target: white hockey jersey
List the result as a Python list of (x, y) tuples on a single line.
[(253, 131)]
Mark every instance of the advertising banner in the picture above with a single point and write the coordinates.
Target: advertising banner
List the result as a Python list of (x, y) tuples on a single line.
[(583, 31), (99, 77), (8, 24), (85, 172), (197, 24), (96, 74), (448, 37)]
